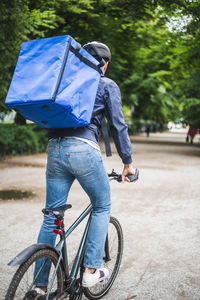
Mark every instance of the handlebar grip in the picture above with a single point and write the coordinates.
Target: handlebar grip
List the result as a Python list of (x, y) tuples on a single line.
[(133, 177)]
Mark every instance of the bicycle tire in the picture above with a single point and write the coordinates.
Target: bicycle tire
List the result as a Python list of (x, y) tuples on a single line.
[(21, 281), (115, 235)]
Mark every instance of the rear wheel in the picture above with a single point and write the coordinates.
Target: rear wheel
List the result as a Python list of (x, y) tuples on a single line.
[(21, 286), (111, 261)]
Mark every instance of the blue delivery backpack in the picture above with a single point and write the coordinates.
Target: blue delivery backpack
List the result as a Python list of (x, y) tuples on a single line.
[(55, 83)]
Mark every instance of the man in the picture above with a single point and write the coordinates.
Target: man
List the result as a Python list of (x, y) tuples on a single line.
[(73, 153)]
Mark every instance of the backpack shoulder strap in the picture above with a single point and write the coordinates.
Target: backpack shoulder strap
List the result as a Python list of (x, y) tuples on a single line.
[(84, 59), (106, 138), (104, 131)]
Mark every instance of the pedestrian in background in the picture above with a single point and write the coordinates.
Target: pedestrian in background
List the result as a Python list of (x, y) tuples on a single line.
[(191, 134), (148, 128)]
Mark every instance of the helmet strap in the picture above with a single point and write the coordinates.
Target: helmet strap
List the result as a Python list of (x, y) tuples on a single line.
[(102, 62), (99, 58)]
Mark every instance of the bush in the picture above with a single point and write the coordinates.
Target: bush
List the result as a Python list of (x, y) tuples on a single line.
[(41, 135), (20, 140)]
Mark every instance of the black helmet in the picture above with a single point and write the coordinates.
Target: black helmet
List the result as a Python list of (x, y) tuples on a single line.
[(100, 51)]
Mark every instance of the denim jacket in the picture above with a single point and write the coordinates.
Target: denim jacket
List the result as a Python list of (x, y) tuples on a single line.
[(108, 102)]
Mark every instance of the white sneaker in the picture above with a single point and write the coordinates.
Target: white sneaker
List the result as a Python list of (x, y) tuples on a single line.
[(91, 279), (39, 291)]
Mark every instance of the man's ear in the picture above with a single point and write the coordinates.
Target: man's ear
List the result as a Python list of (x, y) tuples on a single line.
[(105, 67)]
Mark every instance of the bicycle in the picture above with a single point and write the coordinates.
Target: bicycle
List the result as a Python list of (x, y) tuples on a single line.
[(65, 283)]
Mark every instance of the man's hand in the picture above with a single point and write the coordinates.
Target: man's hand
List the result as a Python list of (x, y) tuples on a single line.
[(128, 170)]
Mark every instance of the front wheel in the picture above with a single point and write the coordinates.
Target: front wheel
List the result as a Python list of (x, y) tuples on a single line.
[(22, 284), (111, 260)]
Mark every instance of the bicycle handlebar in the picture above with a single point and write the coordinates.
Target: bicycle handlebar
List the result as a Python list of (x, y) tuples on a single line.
[(118, 177)]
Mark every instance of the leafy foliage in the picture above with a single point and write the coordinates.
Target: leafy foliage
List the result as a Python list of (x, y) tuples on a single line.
[(154, 45), (17, 139)]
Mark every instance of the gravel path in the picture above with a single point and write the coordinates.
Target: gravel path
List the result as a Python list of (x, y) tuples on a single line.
[(159, 215)]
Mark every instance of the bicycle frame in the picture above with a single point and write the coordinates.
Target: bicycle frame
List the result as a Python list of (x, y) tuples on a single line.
[(61, 246), (62, 249)]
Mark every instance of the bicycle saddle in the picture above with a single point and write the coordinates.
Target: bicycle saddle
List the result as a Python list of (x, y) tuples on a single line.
[(58, 212)]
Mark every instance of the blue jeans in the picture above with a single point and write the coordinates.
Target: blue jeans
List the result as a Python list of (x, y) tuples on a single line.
[(70, 159)]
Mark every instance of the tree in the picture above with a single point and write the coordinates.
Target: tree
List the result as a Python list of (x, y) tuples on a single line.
[(13, 30), (148, 59), (186, 66), (17, 24), (149, 88)]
